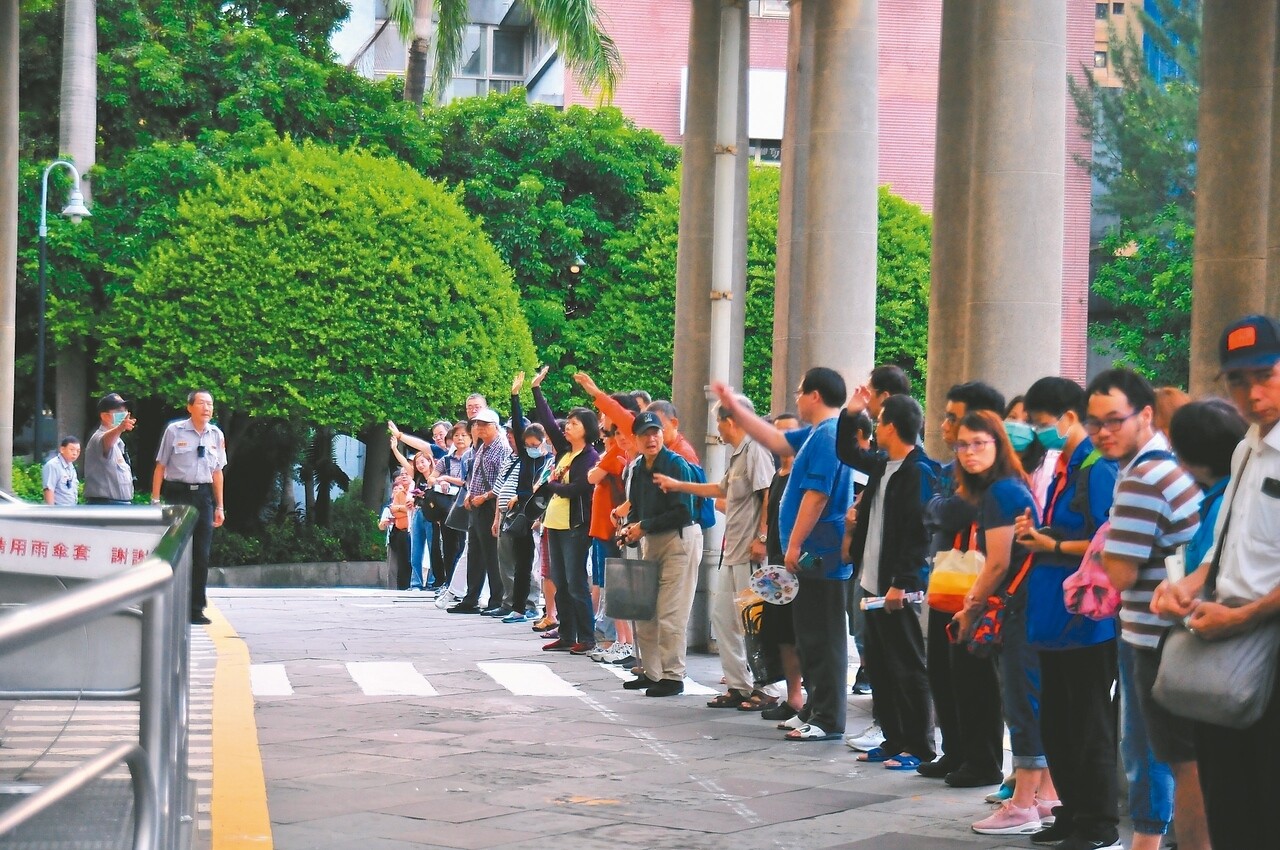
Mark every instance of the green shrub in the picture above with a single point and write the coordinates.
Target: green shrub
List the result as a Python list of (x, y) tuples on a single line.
[(356, 527), (27, 482)]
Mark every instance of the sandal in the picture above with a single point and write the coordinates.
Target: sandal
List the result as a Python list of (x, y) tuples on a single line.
[(876, 754), (758, 701), (809, 732), (728, 700), (902, 761)]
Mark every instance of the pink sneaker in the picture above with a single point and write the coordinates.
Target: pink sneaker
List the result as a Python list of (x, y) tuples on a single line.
[(1045, 809), (1009, 820)]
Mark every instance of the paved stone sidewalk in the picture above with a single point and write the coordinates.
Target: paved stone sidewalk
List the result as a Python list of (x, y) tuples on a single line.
[(477, 766)]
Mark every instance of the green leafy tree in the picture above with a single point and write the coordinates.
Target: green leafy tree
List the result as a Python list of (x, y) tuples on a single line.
[(551, 188), (637, 292), (1144, 139), (291, 290)]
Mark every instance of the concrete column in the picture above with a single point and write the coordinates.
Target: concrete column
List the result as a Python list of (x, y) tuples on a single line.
[(692, 355), (958, 72), (8, 229), (1015, 298), (1234, 174), (788, 289), (841, 209)]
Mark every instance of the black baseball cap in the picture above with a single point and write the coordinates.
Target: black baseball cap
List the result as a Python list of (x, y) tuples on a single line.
[(111, 401), (1250, 343), (644, 422)]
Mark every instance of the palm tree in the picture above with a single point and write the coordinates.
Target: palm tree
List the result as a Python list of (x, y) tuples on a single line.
[(574, 24)]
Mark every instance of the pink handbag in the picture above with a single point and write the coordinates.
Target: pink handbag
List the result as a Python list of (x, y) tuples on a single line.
[(1088, 591)]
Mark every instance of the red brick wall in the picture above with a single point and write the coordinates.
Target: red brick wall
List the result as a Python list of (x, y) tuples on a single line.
[(1079, 188), (910, 31)]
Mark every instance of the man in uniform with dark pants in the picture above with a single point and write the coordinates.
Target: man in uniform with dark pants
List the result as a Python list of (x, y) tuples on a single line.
[(189, 465)]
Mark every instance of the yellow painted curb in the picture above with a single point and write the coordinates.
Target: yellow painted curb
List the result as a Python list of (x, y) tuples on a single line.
[(239, 807)]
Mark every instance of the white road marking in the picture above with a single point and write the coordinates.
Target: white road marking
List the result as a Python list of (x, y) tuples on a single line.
[(528, 679), (389, 679), (269, 680)]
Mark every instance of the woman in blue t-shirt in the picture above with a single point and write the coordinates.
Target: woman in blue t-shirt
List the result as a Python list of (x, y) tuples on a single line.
[(1077, 654), (989, 475)]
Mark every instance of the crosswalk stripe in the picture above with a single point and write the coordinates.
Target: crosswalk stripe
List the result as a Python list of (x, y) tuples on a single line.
[(389, 679), (528, 679), (269, 680)]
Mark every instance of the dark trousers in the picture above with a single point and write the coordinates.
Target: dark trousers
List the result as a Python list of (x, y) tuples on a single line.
[(1240, 780), (446, 548), (569, 549), (398, 557), (896, 667), (822, 639), (979, 720), (482, 556), (524, 571), (1078, 729), (201, 498), (938, 649)]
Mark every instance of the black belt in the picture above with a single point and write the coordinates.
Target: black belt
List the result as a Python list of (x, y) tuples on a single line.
[(183, 485)]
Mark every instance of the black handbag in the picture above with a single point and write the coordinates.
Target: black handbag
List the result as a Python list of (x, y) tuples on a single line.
[(518, 521), (458, 518), (435, 505)]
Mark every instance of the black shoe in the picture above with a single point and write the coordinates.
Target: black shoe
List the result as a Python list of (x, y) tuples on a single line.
[(967, 779), (938, 769), (465, 608), (1060, 831), (781, 711), (199, 619), (639, 683), (500, 611), (665, 688), (1077, 842), (861, 684)]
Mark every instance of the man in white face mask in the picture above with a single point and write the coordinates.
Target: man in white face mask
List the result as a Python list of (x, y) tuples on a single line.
[(108, 478)]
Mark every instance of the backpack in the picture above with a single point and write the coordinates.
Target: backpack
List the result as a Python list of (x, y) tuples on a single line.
[(1088, 591), (704, 509), (1081, 502)]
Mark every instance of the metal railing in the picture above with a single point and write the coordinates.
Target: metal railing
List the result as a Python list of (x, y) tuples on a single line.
[(157, 762)]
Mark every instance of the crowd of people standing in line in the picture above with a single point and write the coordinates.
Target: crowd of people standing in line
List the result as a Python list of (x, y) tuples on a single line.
[(1177, 500)]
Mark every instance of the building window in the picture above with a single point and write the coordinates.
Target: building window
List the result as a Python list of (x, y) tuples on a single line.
[(1117, 8), (769, 9), (1100, 11), (494, 60), (1099, 58)]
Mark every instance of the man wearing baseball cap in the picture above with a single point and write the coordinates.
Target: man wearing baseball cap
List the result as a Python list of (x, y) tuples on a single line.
[(108, 478), (1238, 766), (481, 500), (663, 524)]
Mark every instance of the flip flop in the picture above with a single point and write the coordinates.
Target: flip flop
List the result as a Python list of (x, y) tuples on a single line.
[(877, 754), (902, 761), (729, 700), (809, 732)]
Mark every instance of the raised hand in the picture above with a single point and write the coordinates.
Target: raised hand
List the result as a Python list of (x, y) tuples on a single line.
[(537, 379), (393, 430), (859, 400), (584, 381), (517, 384)]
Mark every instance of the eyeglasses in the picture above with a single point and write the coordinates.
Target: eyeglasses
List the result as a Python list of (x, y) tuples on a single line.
[(1093, 426), (975, 446), (1244, 379)]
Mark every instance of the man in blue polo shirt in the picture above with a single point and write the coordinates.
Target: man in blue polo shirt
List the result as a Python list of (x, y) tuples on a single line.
[(811, 522)]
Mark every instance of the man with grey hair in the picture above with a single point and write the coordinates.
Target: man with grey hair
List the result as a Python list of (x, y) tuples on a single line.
[(743, 487)]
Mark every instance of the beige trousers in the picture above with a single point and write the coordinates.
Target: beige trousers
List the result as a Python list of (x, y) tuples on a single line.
[(662, 640), (726, 623)]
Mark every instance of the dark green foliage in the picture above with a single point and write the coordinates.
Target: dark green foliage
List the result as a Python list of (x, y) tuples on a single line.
[(308, 301), (1144, 137)]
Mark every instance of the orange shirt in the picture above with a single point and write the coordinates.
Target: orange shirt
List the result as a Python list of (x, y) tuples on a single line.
[(613, 461), (623, 418)]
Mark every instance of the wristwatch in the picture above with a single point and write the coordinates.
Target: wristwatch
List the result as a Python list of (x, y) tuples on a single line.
[(762, 538)]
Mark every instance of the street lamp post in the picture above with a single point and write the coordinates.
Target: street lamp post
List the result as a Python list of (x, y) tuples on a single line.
[(74, 210)]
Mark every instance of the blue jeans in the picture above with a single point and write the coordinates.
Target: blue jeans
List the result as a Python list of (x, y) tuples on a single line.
[(569, 551), (1020, 689), (600, 550), (1150, 780), (419, 547)]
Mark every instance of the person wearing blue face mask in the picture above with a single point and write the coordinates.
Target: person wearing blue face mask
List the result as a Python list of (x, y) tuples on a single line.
[(108, 477), (1078, 656)]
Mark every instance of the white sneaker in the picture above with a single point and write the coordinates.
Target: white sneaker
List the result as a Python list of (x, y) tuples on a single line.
[(599, 653), (445, 599), (866, 740), (617, 652)]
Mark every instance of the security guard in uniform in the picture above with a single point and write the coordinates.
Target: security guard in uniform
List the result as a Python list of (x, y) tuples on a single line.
[(189, 466)]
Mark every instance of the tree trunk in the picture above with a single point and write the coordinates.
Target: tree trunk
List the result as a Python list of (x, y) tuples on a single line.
[(8, 229), (377, 456), (77, 137), (415, 74)]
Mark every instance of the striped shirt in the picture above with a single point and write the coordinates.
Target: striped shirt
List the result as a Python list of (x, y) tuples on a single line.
[(1156, 510)]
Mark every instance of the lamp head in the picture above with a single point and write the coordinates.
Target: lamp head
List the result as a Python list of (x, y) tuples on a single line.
[(75, 208), (576, 266)]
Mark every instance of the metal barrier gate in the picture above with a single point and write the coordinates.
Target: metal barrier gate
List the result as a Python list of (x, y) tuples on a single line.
[(70, 568)]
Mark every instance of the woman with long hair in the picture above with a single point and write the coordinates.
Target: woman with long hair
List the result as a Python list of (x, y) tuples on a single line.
[(990, 476), (568, 517)]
